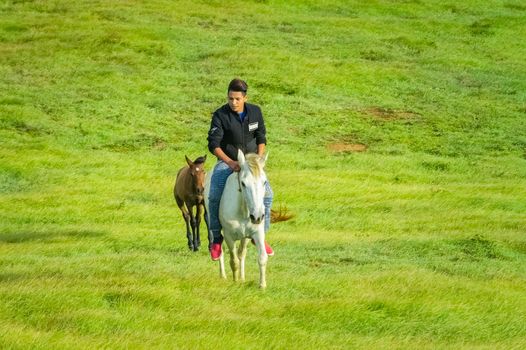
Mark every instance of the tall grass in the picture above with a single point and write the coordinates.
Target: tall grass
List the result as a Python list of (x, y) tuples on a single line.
[(396, 137)]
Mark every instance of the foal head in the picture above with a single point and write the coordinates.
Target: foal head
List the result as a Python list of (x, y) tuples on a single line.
[(197, 170), (252, 181)]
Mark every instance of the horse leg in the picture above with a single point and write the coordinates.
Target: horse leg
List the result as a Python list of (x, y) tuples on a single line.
[(210, 236), (259, 239), (242, 252), (192, 223), (186, 217), (234, 260), (222, 272), (198, 215)]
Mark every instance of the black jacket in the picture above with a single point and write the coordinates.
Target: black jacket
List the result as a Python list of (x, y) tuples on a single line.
[(227, 131)]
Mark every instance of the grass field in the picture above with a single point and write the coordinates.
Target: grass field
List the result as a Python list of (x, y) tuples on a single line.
[(397, 137)]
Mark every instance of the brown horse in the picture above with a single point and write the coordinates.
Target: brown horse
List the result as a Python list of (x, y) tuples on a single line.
[(189, 193)]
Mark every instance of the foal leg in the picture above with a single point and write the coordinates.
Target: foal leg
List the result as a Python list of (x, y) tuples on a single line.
[(242, 252), (198, 214), (192, 223), (186, 217)]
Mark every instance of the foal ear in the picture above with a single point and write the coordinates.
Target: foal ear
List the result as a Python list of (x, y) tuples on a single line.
[(189, 161), (240, 157)]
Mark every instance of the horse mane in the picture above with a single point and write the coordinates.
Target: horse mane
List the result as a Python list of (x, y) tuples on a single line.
[(253, 162)]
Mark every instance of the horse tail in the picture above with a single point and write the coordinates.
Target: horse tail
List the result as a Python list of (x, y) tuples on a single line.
[(282, 214)]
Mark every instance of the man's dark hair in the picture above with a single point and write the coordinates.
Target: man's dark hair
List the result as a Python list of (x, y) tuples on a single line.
[(238, 85)]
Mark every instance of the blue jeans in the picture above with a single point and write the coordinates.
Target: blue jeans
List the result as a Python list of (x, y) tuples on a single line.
[(217, 184)]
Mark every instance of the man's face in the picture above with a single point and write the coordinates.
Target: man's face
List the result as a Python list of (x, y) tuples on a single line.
[(236, 101)]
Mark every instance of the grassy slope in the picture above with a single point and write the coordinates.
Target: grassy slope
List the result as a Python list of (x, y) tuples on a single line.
[(417, 242)]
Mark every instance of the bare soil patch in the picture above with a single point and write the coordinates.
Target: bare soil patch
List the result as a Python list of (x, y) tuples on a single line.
[(389, 114), (346, 147)]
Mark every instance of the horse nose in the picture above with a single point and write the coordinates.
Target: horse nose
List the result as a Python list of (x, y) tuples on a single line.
[(256, 221)]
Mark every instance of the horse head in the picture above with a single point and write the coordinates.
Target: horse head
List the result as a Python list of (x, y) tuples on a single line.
[(252, 181), (197, 170)]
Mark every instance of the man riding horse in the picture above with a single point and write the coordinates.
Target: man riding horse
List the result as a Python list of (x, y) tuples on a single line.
[(237, 125)]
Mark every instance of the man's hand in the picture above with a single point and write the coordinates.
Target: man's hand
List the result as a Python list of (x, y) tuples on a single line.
[(231, 163), (234, 165)]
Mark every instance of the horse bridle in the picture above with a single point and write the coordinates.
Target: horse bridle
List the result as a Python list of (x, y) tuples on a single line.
[(238, 182)]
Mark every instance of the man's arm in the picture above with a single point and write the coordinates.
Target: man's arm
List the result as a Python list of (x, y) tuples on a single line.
[(261, 149), (215, 134), (261, 132)]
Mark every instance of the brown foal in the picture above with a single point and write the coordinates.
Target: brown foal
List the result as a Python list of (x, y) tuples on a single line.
[(189, 193)]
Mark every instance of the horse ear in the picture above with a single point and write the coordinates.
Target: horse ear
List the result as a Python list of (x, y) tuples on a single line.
[(263, 159), (240, 157), (204, 158), (189, 161)]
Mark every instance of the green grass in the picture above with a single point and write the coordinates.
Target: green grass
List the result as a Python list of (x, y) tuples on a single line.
[(416, 242)]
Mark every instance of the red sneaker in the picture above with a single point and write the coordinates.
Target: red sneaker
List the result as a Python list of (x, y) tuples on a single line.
[(268, 249), (215, 251)]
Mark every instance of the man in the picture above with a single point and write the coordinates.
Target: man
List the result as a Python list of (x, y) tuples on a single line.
[(235, 125)]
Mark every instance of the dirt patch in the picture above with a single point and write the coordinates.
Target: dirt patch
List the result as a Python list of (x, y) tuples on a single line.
[(346, 147), (389, 114)]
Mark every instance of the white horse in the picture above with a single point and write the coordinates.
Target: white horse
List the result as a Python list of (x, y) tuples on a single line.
[(242, 215)]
